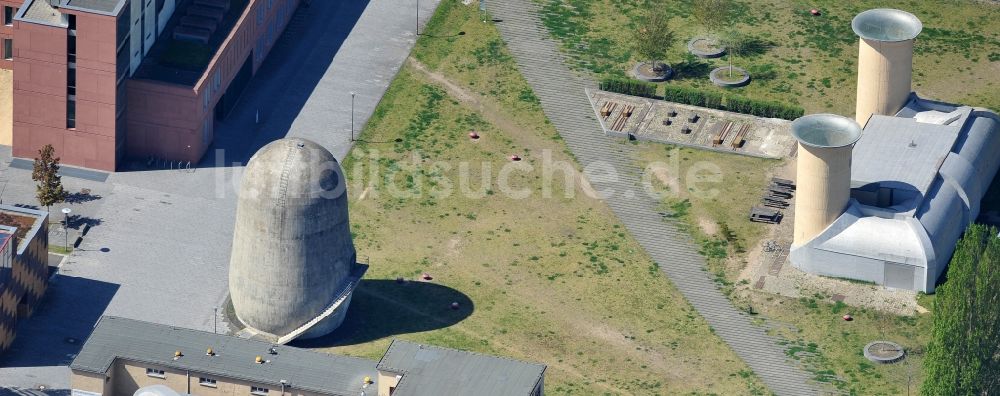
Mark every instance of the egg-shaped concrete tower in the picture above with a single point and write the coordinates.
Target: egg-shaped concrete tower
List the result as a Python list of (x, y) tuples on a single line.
[(293, 266)]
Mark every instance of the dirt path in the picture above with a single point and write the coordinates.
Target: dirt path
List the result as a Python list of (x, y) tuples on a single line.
[(495, 115), (489, 111)]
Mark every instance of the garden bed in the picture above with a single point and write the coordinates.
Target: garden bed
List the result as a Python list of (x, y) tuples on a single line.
[(644, 71), (730, 77), (705, 47)]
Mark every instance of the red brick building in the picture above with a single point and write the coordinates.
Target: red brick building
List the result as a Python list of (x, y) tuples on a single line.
[(10, 8), (106, 80)]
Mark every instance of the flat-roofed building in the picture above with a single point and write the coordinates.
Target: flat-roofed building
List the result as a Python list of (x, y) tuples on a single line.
[(127, 357), (106, 80), (24, 247)]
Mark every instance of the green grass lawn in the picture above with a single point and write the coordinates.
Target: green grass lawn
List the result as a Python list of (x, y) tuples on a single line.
[(796, 57), (60, 249), (718, 222), (555, 280), (815, 333)]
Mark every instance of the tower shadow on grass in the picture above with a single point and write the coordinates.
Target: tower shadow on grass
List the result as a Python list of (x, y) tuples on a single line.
[(382, 308)]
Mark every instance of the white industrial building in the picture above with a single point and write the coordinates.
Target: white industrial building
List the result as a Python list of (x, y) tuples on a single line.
[(915, 174)]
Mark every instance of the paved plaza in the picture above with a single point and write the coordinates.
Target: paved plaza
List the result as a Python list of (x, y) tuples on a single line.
[(158, 243)]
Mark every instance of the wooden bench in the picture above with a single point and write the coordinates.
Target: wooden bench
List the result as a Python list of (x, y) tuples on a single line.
[(723, 133), (623, 117), (740, 137), (765, 215), (783, 182)]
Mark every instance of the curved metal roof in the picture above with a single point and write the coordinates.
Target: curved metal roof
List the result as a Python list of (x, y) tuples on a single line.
[(886, 24), (826, 130)]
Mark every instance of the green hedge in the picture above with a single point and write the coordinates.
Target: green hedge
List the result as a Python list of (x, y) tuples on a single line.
[(763, 108), (629, 87), (704, 98), (730, 102)]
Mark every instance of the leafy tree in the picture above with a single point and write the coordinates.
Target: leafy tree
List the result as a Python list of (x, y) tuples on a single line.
[(653, 37), (46, 172), (963, 357), (736, 42), (712, 14)]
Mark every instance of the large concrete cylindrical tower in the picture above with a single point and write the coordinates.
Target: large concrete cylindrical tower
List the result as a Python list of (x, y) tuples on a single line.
[(292, 250), (823, 172), (885, 60)]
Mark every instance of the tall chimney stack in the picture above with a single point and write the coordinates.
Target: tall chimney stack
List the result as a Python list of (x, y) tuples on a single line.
[(823, 172), (885, 61)]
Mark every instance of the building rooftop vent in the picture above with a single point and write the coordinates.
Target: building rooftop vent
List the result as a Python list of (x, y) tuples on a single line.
[(886, 24), (826, 130)]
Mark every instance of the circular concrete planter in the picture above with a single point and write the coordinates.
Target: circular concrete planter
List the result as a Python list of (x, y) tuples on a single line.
[(644, 72), (720, 77), (705, 47), (884, 352)]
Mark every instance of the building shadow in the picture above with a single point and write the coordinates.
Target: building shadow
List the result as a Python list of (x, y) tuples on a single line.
[(61, 323), (291, 72), (384, 308)]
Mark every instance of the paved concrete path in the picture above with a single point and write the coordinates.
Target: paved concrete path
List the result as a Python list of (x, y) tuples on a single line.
[(159, 245), (561, 92)]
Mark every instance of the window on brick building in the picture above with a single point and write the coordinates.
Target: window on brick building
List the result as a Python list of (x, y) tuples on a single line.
[(8, 15), (8, 49)]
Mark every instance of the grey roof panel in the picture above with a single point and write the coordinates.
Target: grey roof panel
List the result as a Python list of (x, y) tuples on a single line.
[(155, 344), (901, 152), (430, 370), (40, 11), (99, 6)]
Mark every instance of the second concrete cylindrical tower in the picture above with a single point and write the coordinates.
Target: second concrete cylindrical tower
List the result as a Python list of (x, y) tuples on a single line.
[(885, 60), (823, 172)]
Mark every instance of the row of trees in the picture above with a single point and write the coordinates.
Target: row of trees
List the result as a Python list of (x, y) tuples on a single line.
[(653, 37), (963, 357)]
